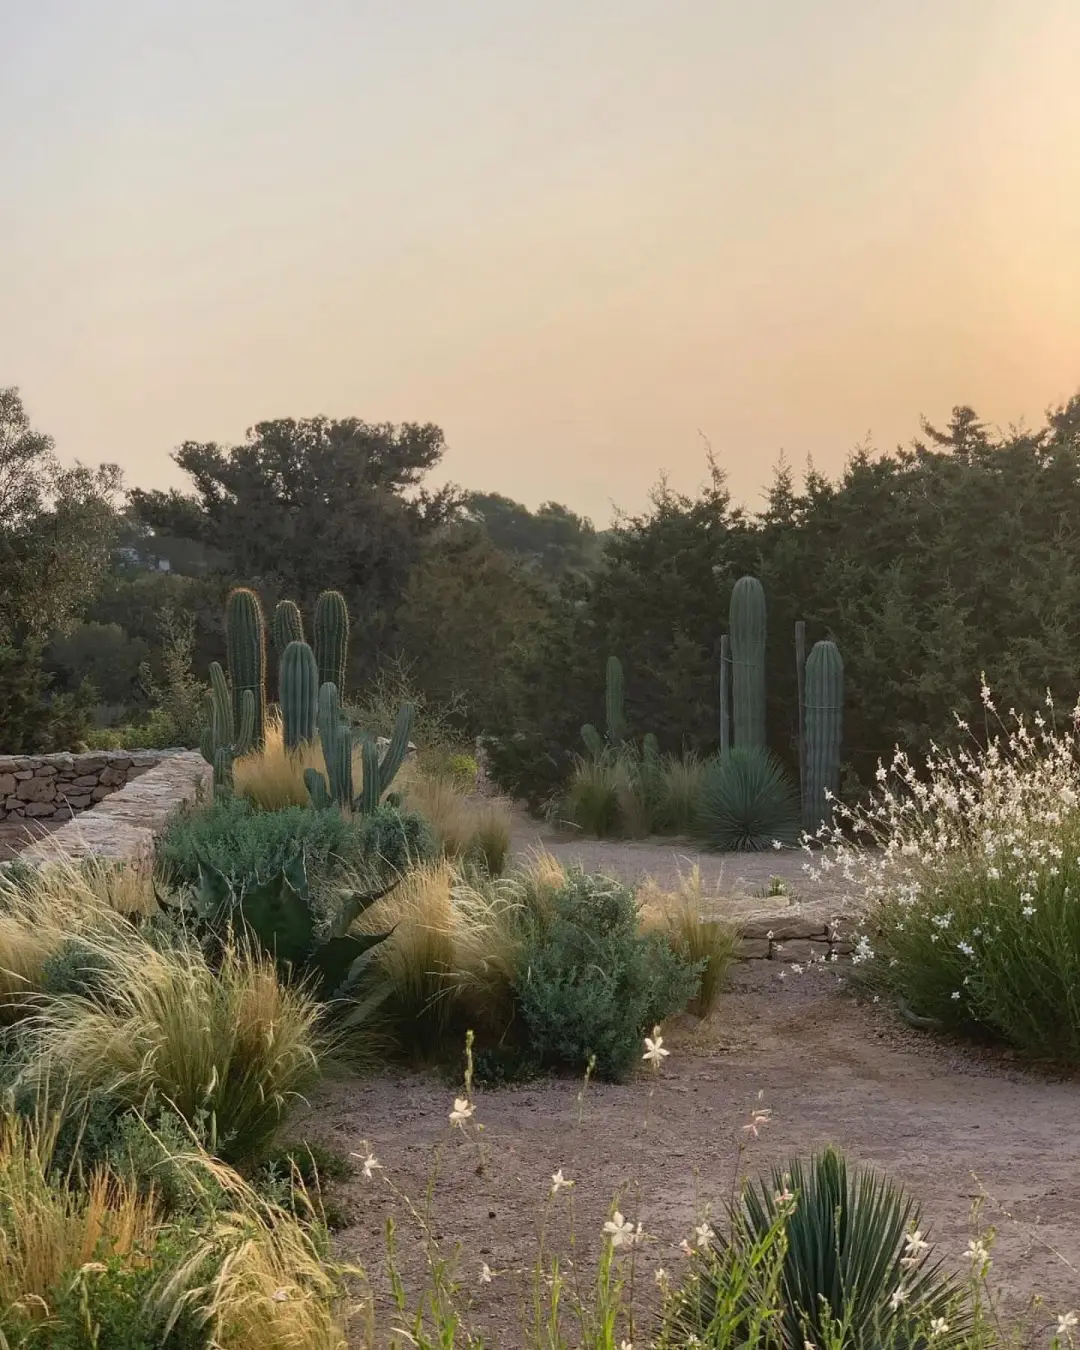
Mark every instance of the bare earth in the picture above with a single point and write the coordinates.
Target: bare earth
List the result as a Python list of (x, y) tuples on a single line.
[(949, 1122)]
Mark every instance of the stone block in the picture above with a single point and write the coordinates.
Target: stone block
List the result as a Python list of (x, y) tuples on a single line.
[(12, 803), (85, 780), (89, 763), (40, 810), (80, 802), (113, 776), (63, 812), (8, 764), (22, 774), (7, 784), (783, 928), (752, 949), (801, 950), (842, 947), (46, 771), (100, 793), (137, 771), (36, 790)]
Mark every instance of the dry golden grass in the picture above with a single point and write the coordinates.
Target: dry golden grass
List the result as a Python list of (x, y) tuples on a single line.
[(43, 910), (49, 1233), (684, 917), (465, 826), (231, 1042), (273, 777), (269, 1286)]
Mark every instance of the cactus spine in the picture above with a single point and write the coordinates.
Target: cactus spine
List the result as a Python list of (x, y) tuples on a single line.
[(222, 740), (725, 694), (824, 714), (746, 618), (298, 694), (331, 638), (287, 625), (245, 634)]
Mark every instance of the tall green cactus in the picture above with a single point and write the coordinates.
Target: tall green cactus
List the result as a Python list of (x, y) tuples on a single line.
[(245, 635), (287, 625), (222, 740), (298, 694), (336, 738), (614, 713), (331, 638), (824, 717), (746, 619)]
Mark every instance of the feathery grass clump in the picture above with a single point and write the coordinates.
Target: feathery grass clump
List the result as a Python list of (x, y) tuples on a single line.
[(702, 939), (228, 1047), (469, 829)]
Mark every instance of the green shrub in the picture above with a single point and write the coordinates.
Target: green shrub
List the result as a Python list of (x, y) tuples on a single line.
[(394, 840), (33, 719), (849, 1245), (77, 967), (230, 835), (747, 802), (589, 984)]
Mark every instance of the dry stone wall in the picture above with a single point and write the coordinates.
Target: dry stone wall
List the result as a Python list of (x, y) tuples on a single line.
[(58, 787)]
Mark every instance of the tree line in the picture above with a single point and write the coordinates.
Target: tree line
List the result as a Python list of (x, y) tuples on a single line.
[(930, 566)]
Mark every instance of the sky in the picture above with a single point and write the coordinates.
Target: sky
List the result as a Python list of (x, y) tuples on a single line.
[(579, 235)]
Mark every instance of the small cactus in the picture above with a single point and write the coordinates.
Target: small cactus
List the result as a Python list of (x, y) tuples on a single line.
[(336, 738), (287, 626), (221, 740)]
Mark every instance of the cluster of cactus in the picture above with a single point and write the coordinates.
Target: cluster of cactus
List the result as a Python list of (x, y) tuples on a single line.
[(337, 738), (331, 634), (224, 737), (820, 693), (278, 913)]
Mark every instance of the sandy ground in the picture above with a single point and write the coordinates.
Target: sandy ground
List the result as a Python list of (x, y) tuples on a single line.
[(949, 1122)]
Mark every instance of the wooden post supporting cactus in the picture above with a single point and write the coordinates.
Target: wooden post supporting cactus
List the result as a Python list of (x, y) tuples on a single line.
[(725, 694), (824, 733), (800, 680)]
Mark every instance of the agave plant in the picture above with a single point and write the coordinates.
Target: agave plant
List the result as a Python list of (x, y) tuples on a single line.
[(747, 802), (856, 1268), (279, 915)]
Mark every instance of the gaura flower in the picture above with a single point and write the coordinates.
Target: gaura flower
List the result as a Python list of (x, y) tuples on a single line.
[(463, 1109), (655, 1053), (559, 1182)]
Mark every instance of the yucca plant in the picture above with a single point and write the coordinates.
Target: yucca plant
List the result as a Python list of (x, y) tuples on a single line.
[(857, 1269), (747, 802)]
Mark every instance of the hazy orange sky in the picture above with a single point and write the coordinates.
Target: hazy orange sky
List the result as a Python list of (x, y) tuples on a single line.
[(571, 233)]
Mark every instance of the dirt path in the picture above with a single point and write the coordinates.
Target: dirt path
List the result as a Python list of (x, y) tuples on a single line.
[(829, 1070)]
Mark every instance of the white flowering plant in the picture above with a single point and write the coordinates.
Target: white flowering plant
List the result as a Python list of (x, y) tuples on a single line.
[(968, 871)]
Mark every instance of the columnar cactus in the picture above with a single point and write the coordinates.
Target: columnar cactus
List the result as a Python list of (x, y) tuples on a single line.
[(336, 738), (222, 740), (824, 715), (331, 638), (298, 694), (746, 619), (615, 730), (287, 625), (245, 634)]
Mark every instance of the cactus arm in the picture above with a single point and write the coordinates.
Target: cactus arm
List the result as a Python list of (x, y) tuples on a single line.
[(594, 742), (369, 790), (319, 793), (395, 753)]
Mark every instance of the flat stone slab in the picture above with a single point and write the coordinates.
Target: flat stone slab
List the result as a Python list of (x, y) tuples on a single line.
[(125, 823)]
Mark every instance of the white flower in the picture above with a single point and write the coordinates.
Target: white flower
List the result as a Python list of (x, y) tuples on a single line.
[(1028, 911), (777, 844), (955, 994), (463, 1109), (863, 951), (625, 1345), (654, 1049), (966, 948), (978, 1253), (685, 1248), (703, 1233), (914, 1246), (620, 1231), (660, 1275), (280, 1296), (760, 1117), (783, 1197), (1066, 1322), (371, 1165), (899, 1295), (486, 1273), (558, 1182), (938, 1327)]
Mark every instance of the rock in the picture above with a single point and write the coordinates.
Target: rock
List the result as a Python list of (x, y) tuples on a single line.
[(7, 784), (89, 763), (80, 803), (752, 949), (12, 803), (113, 776), (783, 928), (841, 947), (40, 810), (137, 771), (22, 774), (799, 949), (86, 780), (36, 790), (46, 771), (8, 764), (100, 793)]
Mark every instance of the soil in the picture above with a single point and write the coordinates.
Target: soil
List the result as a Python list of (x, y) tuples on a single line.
[(951, 1123)]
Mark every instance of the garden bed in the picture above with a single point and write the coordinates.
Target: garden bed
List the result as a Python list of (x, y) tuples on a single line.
[(947, 1122)]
